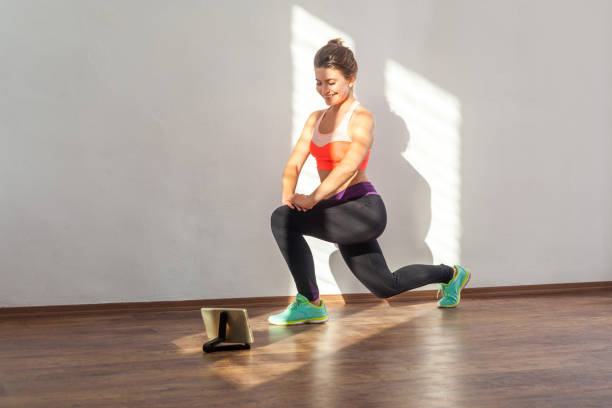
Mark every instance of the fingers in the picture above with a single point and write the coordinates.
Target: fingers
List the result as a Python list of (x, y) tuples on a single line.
[(290, 201), (293, 206), (299, 208)]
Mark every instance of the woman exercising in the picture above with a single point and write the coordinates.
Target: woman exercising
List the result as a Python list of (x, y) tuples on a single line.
[(345, 208)]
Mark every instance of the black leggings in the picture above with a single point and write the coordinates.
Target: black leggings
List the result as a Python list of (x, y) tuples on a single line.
[(354, 225)]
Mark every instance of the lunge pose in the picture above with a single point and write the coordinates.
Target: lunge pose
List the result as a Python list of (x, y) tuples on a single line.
[(345, 208)]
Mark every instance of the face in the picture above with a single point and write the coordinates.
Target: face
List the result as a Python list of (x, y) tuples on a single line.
[(332, 85)]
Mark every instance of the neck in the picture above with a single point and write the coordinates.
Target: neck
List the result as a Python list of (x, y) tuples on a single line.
[(347, 102)]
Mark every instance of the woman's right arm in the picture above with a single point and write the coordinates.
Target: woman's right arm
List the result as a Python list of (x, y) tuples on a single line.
[(297, 159)]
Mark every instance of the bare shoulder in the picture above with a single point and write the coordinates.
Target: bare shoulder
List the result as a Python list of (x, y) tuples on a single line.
[(312, 119), (363, 118), (307, 131)]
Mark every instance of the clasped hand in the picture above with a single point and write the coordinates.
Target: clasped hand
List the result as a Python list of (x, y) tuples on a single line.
[(300, 202)]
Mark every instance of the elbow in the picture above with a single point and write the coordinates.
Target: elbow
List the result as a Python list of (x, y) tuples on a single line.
[(291, 170)]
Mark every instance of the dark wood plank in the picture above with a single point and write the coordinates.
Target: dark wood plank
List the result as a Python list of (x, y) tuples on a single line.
[(551, 351)]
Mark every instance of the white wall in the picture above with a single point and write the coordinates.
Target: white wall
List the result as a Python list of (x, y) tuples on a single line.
[(142, 142)]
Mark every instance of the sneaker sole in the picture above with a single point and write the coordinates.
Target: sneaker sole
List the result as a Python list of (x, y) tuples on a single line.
[(469, 275), (309, 321)]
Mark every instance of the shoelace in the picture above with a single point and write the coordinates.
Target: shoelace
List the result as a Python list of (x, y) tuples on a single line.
[(293, 305)]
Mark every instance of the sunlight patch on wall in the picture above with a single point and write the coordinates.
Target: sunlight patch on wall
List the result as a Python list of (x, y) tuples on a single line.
[(433, 118)]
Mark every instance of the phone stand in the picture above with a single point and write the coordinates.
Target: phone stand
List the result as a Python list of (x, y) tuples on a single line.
[(213, 345)]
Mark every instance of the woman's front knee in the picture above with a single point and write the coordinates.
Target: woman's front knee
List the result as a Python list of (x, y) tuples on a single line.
[(280, 217)]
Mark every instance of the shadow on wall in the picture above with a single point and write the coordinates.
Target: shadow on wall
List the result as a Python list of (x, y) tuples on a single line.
[(421, 187)]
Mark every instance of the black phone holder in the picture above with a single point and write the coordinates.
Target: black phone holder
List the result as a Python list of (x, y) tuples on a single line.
[(213, 345)]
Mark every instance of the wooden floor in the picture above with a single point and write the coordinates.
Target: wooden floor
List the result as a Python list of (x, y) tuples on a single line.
[(527, 351)]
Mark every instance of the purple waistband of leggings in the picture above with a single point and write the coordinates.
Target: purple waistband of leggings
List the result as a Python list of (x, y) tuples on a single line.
[(355, 191)]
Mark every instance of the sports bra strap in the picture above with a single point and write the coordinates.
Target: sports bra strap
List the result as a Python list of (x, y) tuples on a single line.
[(353, 107), (348, 115)]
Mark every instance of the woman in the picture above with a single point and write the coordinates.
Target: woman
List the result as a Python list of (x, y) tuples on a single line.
[(345, 208)]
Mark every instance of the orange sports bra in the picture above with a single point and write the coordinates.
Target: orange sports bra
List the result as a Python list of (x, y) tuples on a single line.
[(329, 148)]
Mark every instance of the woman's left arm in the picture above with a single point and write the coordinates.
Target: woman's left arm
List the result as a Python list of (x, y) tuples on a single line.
[(362, 136)]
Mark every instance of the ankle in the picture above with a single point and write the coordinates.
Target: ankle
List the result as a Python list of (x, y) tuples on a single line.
[(453, 274), (316, 302)]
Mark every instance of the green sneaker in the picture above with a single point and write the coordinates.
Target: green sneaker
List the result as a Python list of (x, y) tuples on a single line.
[(299, 312), (451, 291)]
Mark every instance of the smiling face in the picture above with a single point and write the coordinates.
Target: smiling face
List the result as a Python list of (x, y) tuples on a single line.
[(332, 85)]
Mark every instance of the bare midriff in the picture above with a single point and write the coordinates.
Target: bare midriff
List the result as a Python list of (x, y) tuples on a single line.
[(359, 177)]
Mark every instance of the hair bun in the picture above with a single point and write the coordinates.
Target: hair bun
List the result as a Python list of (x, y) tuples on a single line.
[(336, 41)]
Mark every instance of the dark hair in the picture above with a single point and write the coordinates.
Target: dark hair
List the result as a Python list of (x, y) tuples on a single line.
[(336, 55)]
